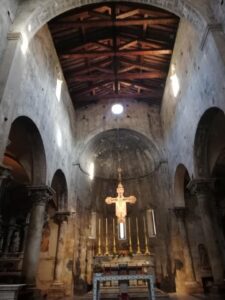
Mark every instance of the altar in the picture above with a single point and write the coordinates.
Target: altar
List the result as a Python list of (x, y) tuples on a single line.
[(125, 264), (149, 279)]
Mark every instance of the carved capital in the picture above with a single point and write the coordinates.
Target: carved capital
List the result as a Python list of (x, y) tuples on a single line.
[(5, 172), (60, 217), (40, 195), (180, 212), (201, 186)]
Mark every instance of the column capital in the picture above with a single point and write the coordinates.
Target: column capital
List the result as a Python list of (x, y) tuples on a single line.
[(180, 212), (200, 186), (5, 172), (61, 216), (40, 194)]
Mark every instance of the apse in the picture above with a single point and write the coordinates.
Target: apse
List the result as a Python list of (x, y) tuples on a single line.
[(136, 155)]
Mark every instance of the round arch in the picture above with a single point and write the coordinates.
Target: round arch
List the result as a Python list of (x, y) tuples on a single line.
[(104, 146), (26, 147), (33, 16), (207, 143), (98, 132), (59, 185), (181, 179)]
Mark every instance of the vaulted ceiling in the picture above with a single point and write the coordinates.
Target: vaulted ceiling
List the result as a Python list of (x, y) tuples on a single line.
[(115, 51)]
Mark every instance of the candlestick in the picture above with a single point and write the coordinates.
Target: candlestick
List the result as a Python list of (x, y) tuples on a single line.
[(138, 241), (114, 238), (99, 238), (146, 239), (130, 240), (106, 238)]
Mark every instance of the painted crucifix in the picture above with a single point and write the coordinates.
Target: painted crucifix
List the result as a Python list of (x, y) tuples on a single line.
[(120, 201)]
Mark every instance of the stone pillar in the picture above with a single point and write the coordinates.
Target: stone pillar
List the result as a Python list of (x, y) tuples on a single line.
[(61, 219), (180, 213), (201, 188), (25, 231), (39, 196), (90, 254), (5, 172), (10, 228)]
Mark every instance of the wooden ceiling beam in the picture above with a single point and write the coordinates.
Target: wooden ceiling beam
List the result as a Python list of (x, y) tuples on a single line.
[(120, 76), (100, 66), (99, 15), (138, 86), (128, 45), (91, 54), (115, 96), (116, 23), (127, 14), (90, 88)]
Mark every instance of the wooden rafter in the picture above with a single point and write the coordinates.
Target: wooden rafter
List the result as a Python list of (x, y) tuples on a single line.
[(120, 50), (91, 54)]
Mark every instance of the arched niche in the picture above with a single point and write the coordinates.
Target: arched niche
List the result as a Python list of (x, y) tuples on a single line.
[(59, 185), (209, 140), (181, 180)]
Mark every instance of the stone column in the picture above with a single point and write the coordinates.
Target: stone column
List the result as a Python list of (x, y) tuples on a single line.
[(90, 254), (201, 188), (10, 228), (25, 231), (5, 172), (39, 196), (61, 219), (180, 213)]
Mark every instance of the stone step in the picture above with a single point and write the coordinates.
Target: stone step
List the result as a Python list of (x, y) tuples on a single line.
[(134, 293)]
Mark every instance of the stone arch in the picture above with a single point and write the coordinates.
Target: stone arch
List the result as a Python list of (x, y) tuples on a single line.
[(25, 147), (181, 179), (140, 162), (92, 144), (59, 185), (33, 15), (205, 152), (98, 132)]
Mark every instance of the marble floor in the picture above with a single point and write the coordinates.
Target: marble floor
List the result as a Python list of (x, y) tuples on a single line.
[(193, 297), (171, 296)]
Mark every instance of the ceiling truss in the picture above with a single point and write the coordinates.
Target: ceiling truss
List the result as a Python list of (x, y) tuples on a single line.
[(115, 51)]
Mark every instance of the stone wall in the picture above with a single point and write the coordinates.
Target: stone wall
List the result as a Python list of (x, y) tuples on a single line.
[(219, 11), (200, 73), (31, 92), (7, 16)]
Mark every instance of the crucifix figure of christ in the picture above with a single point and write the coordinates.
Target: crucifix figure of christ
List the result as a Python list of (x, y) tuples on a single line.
[(120, 201)]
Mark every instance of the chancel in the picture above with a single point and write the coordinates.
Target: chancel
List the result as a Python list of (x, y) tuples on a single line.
[(112, 148)]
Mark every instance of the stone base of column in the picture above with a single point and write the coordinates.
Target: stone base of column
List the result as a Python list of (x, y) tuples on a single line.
[(10, 291), (56, 291), (30, 293), (193, 287), (217, 291)]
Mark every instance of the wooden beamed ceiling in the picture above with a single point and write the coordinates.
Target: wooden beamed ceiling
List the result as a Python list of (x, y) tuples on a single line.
[(115, 51)]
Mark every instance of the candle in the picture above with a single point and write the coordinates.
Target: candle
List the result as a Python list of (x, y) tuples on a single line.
[(106, 238), (99, 227), (130, 241), (138, 241)]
